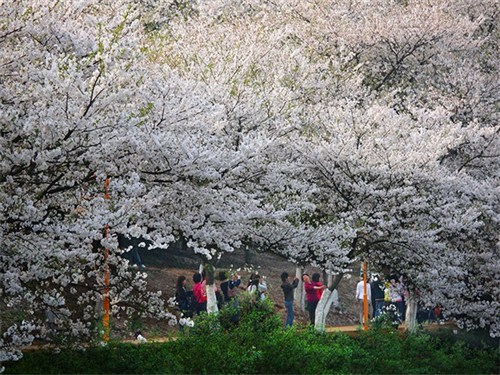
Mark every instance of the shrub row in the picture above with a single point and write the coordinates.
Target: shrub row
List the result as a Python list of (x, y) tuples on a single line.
[(259, 345)]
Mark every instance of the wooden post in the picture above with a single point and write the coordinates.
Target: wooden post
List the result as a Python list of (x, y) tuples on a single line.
[(106, 305), (365, 298)]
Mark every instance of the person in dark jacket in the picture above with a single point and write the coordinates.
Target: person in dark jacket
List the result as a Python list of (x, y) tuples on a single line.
[(377, 293), (227, 286), (234, 283), (182, 296), (288, 293)]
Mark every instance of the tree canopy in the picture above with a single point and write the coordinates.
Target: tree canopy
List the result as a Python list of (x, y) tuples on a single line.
[(324, 131)]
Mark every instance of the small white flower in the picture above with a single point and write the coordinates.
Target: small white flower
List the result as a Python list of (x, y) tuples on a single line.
[(141, 338), (172, 322)]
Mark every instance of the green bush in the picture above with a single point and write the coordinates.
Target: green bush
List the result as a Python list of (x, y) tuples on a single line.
[(112, 359), (206, 325), (259, 344)]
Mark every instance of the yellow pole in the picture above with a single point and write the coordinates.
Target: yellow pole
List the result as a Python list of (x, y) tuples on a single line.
[(365, 299), (106, 304)]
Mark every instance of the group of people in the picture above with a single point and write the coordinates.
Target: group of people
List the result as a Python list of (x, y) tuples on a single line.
[(195, 300), (313, 288), (383, 293), (380, 294)]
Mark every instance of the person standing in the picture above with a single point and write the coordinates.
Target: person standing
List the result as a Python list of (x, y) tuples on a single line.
[(360, 291), (262, 288), (288, 294), (253, 287), (377, 292), (234, 283), (311, 287), (200, 293), (227, 287), (396, 294), (181, 295), (224, 285)]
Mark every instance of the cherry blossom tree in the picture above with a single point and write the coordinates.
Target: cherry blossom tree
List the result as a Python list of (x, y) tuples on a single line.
[(328, 132), (236, 69), (398, 132), (73, 89), (390, 129)]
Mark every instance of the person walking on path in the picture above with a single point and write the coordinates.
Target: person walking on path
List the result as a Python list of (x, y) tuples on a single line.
[(288, 294)]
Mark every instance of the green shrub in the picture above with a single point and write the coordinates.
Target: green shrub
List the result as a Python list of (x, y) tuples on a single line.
[(389, 318), (259, 344), (112, 359), (206, 325), (244, 312)]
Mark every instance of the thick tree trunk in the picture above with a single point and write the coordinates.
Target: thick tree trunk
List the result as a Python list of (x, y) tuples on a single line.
[(335, 293), (411, 313), (322, 310), (325, 303), (326, 278), (211, 298), (300, 295)]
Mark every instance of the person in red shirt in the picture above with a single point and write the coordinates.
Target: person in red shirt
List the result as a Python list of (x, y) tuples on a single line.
[(200, 293), (312, 299), (318, 285)]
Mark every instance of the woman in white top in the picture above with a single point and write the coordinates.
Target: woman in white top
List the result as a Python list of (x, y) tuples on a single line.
[(257, 286)]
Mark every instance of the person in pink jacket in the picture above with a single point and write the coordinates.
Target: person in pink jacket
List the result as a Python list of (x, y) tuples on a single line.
[(312, 299)]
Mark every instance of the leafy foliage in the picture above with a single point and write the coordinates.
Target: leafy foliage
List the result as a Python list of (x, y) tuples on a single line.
[(389, 318), (277, 352)]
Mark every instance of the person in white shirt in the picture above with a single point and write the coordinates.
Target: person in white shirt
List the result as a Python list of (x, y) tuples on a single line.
[(257, 286), (359, 298)]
